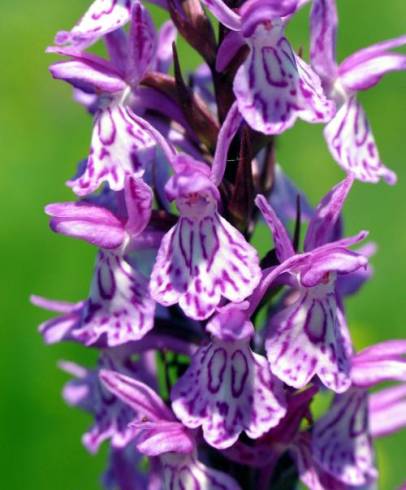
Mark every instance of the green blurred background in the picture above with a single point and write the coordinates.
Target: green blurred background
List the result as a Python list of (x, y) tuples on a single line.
[(44, 134)]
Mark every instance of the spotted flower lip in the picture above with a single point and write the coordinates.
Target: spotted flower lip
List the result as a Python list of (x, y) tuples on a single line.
[(228, 388), (273, 86), (348, 134), (341, 440)]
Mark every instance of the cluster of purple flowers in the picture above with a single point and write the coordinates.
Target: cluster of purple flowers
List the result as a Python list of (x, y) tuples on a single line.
[(210, 356)]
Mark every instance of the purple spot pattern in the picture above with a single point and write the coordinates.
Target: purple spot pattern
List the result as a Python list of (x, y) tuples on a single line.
[(111, 415), (352, 144), (305, 339), (274, 87), (201, 260), (185, 472), (119, 305), (119, 147), (102, 17), (341, 442), (228, 389)]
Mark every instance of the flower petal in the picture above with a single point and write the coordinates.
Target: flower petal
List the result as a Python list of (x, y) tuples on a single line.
[(282, 241), (103, 16), (186, 472), (93, 224), (119, 306), (156, 438), (341, 441), (61, 327), (224, 14), (321, 265), (352, 144), (201, 260), (111, 415), (368, 73), (274, 87), (321, 226), (305, 339), (142, 43), (166, 37), (138, 199), (387, 410), (323, 29), (87, 76), (120, 146), (228, 389), (137, 395), (361, 59), (227, 132)]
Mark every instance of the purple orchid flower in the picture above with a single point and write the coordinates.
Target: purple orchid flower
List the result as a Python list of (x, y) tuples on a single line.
[(122, 143), (157, 433), (273, 86), (203, 258), (228, 388), (348, 134), (306, 338), (119, 305), (111, 416)]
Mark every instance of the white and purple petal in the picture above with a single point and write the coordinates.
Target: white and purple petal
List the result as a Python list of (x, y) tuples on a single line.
[(142, 44), (88, 76), (352, 144), (342, 443), (366, 67), (138, 200), (120, 146), (61, 327), (228, 389), (387, 410), (119, 306), (323, 39), (166, 37), (134, 393), (305, 340), (180, 472), (224, 14), (200, 261), (112, 417), (102, 17), (282, 241), (322, 225), (274, 87)]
